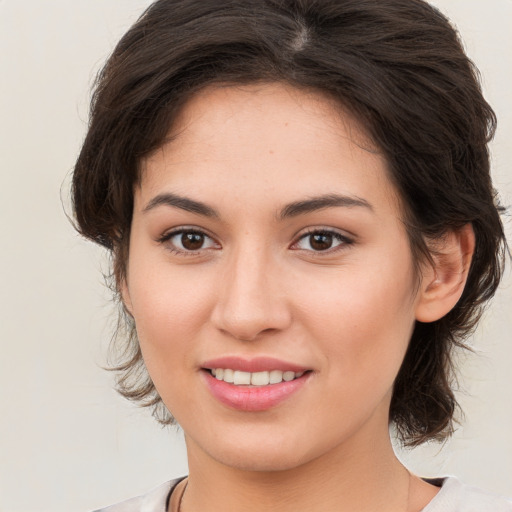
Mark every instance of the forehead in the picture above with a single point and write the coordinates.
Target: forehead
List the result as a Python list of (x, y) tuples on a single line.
[(269, 137)]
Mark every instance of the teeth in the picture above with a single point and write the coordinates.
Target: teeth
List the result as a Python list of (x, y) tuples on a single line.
[(229, 376), (239, 378), (288, 376), (260, 378), (275, 376)]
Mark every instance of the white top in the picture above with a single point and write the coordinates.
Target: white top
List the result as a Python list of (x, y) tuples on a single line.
[(454, 496)]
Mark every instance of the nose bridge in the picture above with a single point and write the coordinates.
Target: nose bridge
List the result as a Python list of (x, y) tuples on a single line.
[(250, 300)]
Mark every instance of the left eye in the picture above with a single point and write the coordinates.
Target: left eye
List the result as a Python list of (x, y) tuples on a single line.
[(321, 241), (188, 241)]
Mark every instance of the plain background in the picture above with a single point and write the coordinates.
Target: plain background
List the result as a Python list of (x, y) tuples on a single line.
[(67, 441)]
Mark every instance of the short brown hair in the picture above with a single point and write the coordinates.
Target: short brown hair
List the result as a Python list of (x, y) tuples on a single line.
[(398, 65)]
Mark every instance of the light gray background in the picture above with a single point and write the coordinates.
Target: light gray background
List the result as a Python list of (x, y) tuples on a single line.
[(67, 441)]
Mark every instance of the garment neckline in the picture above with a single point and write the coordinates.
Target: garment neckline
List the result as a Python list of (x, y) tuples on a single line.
[(439, 482)]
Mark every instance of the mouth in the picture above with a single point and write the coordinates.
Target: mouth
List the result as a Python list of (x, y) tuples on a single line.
[(254, 385), (263, 378)]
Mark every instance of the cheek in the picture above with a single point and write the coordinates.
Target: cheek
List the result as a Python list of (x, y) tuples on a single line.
[(170, 306), (170, 311), (362, 316), (362, 340)]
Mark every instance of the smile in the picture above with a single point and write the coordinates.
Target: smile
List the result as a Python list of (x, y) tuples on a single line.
[(263, 378), (254, 391)]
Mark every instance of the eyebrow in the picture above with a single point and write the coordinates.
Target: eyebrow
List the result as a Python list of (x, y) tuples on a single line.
[(320, 202), (290, 210), (184, 203)]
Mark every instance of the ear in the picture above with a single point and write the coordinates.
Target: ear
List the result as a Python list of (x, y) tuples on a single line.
[(442, 284)]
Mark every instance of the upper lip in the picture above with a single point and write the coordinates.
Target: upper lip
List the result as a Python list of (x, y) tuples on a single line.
[(252, 365)]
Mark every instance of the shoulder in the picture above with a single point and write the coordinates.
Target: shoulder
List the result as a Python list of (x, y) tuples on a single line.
[(455, 496), (154, 501)]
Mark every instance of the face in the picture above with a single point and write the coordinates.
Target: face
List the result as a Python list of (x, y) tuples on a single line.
[(270, 278)]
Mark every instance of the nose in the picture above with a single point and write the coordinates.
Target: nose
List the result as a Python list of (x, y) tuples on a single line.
[(252, 299)]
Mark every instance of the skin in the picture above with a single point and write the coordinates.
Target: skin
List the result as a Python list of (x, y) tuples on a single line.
[(257, 286)]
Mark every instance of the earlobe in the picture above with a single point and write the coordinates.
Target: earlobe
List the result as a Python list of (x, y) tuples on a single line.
[(443, 283)]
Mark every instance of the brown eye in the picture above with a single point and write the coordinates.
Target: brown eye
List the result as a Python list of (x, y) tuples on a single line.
[(192, 241), (185, 241), (318, 241)]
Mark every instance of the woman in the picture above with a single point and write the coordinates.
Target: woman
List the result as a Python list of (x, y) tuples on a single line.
[(297, 199)]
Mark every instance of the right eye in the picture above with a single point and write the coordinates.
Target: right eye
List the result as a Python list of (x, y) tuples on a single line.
[(183, 241)]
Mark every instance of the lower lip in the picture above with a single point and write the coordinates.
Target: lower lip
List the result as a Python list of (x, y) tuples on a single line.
[(253, 398)]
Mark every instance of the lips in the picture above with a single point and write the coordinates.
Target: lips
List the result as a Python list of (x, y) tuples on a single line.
[(257, 364), (253, 385)]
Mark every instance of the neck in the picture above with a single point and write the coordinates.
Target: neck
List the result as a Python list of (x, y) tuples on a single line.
[(362, 475)]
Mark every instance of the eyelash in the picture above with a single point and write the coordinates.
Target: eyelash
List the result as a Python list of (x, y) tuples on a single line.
[(166, 237), (344, 241)]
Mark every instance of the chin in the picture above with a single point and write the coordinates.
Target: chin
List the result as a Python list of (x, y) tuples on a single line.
[(262, 461), (261, 449)]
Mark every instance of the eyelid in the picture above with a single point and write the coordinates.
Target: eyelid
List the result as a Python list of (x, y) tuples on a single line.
[(169, 234), (345, 239)]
